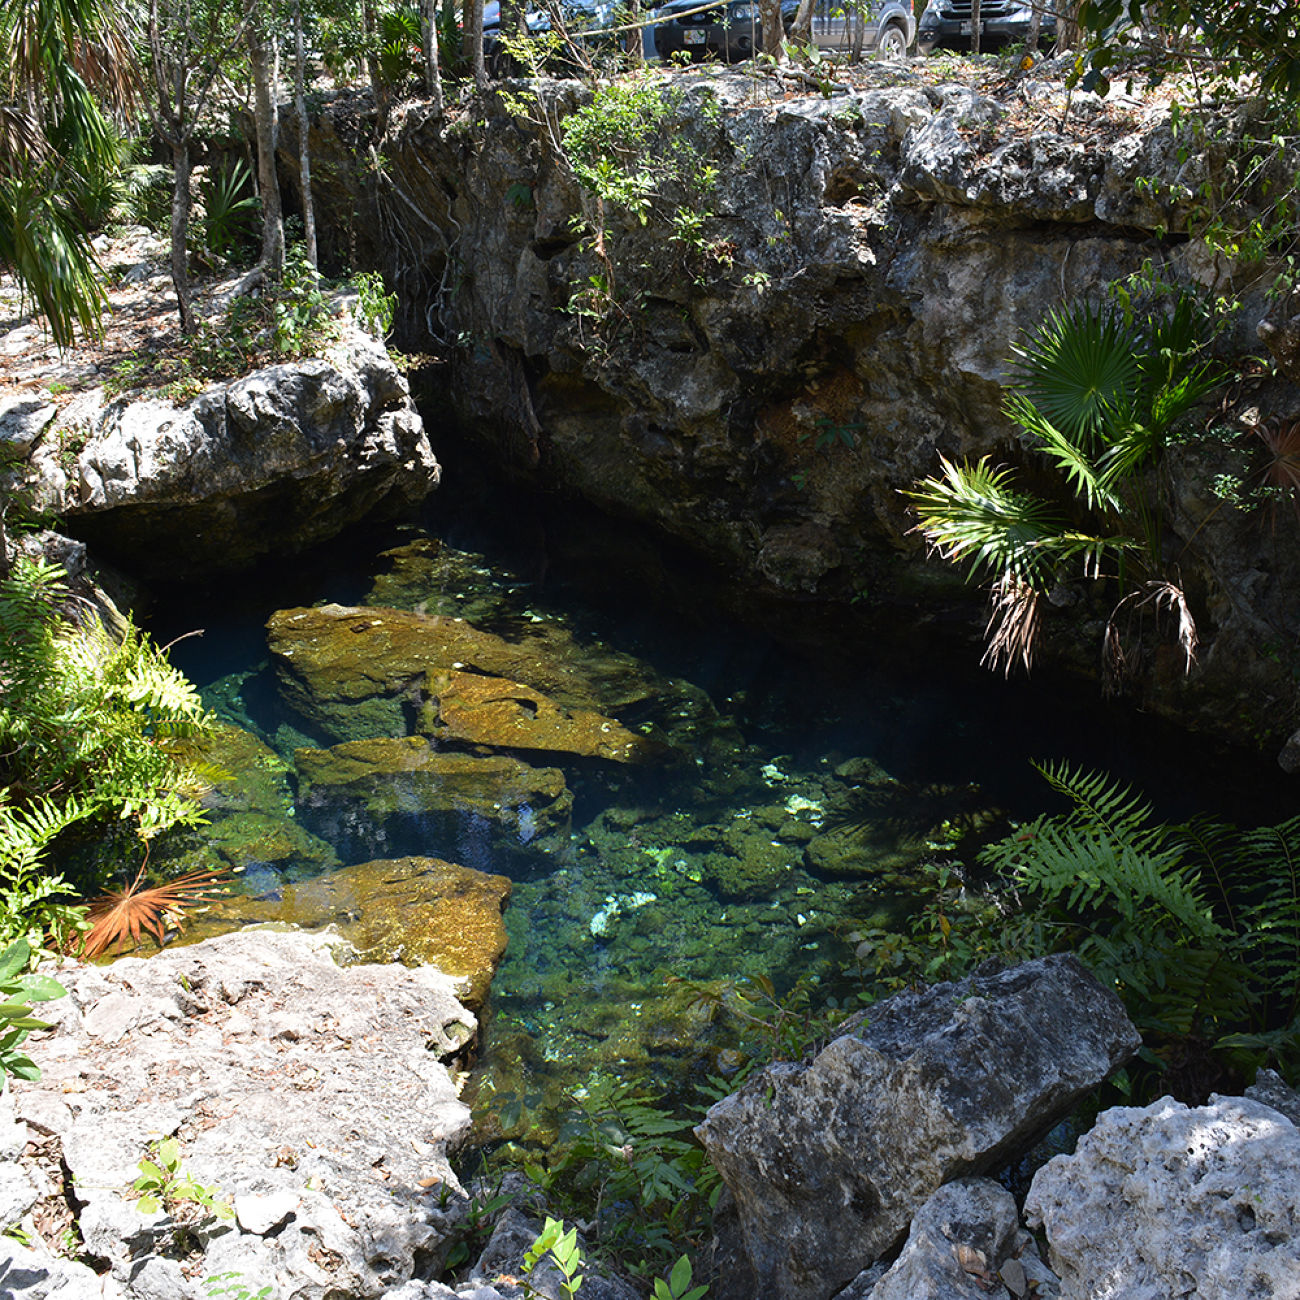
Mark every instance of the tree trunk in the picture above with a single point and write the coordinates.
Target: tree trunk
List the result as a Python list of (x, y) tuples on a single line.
[(1067, 25), (801, 30), (304, 148), (473, 29), (636, 37), (429, 38), (180, 231), (261, 56), (974, 26), (769, 14), (1035, 22)]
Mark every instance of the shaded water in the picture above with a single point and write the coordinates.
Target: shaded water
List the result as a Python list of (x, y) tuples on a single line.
[(806, 791)]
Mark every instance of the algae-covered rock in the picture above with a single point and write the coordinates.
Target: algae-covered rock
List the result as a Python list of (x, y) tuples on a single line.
[(405, 786), (419, 911), (508, 715), (359, 672), (251, 820)]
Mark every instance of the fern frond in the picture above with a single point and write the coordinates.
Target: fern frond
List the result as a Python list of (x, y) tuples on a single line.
[(1101, 801)]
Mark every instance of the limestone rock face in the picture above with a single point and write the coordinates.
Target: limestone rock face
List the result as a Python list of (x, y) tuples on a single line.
[(1170, 1201), (275, 462), (884, 247), (419, 911), (312, 1097), (828, 1161)]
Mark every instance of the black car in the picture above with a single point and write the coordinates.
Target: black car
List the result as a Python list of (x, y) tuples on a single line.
[(731, 29), (946, 24)]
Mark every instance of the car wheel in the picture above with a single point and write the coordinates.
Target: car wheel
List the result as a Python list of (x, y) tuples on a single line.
[(892, 43)]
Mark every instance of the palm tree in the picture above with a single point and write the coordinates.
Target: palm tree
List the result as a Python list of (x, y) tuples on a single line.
[(1098, 395), (64, 54)]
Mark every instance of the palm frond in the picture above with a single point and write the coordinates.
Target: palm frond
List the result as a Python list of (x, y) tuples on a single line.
[(1080, 369), (126, 914), (1013, 624), (972, 513), (1081, 470)]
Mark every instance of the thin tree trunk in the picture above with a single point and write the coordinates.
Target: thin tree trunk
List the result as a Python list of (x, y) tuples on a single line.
[(769, 14), (1035, 22), (304, 148), (180, 230), (636, 37), (473, 29), (429, 36), (261, 56), (974, 26), (801, 29)]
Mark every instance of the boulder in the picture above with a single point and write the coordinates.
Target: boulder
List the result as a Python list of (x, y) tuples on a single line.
[(312, 1100), (409, 792), (420, 911), (1167, 1200), (965, 1244), (358, 671), (828, 1160), (272, 463)]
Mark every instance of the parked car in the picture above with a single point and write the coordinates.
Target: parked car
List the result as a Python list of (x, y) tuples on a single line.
[(578, 16), (946, 24), (731, 29)]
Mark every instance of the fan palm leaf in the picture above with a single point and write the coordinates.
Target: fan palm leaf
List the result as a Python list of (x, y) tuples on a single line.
[(125, 914), (1080, 369)]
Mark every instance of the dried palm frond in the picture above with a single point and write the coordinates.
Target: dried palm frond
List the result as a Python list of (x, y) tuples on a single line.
[(1163, 595), (1282, 472), (1013, 624), (122, 914)]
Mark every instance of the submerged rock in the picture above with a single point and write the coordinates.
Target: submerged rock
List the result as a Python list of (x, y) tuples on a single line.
[(418, 911), (1171, 1201), (355, 671), (313, 1098), (828, 1161), (275, 462), (405, 787)]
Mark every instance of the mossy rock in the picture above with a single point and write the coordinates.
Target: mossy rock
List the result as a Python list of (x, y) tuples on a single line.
[(418, 911), (861, 851), (360, 673), (406, 785)]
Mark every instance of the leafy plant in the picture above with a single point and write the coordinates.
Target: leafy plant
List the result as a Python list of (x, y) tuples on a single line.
[(375, 306), (93, 732), (1196, 925), (229, 210), (678, 1284), (233, 1286), (19, 988), (561, 1244), (1098, 395), (164, 1184)]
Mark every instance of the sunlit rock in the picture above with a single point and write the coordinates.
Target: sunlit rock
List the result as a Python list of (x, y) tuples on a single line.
[(1165, 1200), (418, 911)]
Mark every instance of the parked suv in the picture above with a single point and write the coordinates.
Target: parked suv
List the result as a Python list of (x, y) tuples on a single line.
[(731, 30), (946, 24)]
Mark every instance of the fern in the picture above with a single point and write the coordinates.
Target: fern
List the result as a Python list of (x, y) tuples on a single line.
[(1196, 924), (93, 730)]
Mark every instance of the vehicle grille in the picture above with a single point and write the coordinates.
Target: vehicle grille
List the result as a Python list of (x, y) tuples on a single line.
[(988, 8)]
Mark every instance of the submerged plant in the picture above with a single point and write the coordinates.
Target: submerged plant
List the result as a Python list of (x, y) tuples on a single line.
[(1098, 396)]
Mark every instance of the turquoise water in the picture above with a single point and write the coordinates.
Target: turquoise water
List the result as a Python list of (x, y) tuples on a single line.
[(810, 789)]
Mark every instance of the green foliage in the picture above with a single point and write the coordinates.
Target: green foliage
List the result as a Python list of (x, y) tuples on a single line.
[(93, 731), (1098, 394), (230, 211), (1196, 925), (164, 1184), (632, 1169), (561, 1245), (375, 306), (19, 988), (678, 1284), (233, 1286)]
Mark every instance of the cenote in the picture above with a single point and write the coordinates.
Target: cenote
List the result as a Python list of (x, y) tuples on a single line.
[(809, 767)]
